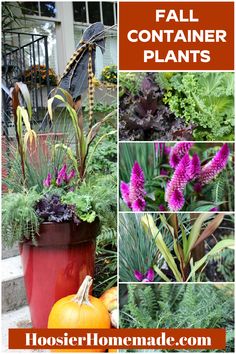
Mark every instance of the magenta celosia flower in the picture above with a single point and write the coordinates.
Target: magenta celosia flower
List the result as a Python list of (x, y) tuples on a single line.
[(167, 150), (174, 188), (176, 200), (47, 180), (194, 167), (161, 207), (133, 192), (177, 152), (214, 209), (145, 278), (70, 176), (60, 177), (124, 188), (215, 166)]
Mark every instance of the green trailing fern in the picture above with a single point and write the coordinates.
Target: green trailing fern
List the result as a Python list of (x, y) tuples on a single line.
[(180, 306), (19, 219)]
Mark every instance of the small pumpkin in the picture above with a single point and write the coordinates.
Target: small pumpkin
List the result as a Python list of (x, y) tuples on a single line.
[(109, 298), (80, 310)]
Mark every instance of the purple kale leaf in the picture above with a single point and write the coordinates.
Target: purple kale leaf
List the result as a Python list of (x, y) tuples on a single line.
[(50, 208), (145, 117)]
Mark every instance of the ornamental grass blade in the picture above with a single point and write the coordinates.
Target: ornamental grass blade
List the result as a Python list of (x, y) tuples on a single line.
[(208, 231), (161, 274), (150, 227), (221, 245), (173, 221), (26, 96), (195, 231)]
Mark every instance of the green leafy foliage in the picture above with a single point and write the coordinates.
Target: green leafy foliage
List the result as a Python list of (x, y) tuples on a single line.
[(19, 218), (179, 306), (129, 82), (206, 99)]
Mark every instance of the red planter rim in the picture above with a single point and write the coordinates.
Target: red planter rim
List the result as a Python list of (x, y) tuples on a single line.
[(65, 233)]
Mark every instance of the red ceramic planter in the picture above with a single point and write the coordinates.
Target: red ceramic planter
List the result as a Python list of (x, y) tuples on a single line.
[(56, 267)]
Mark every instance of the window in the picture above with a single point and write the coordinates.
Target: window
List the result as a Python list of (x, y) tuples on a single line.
[(95, 11), (38, 8), (80, 11), (108, 13)]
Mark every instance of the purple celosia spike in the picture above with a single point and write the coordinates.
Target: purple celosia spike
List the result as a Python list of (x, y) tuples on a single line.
[(124, 188), (180, 177), (139, 205), (47, 181), (167, 150), (161, 207), (138, 275), (195, 167), (177, 152), (176, 200), (174, 188), (70, 176), (134, 192), (214, 209), (59, 180), (62, 171), (61, 175), (215, 166), (150, 275), (136, 188)]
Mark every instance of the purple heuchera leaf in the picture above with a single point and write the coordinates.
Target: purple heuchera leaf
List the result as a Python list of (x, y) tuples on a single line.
[(148, 277), (178, 152), (47, 181), (215, 166), (133, 193)]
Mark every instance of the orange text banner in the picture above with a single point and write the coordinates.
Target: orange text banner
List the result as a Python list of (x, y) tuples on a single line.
[(176, 35), (24, 338)]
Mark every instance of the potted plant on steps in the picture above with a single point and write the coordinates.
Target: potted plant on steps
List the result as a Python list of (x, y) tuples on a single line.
[(56, 220)]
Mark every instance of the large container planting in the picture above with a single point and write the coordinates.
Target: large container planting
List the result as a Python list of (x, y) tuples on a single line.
[(56, 267)]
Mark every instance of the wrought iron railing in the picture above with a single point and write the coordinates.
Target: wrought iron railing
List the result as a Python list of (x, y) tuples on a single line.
[(25, 58)]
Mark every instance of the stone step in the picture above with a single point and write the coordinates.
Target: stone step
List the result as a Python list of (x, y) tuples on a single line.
[(10, 252), (16, 319), (13, 288)]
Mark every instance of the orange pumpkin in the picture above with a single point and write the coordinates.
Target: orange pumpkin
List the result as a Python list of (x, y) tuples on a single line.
[(109, 298), (80, 310)]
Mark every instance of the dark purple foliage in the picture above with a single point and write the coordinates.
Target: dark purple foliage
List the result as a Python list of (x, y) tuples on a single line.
[(50, 208), (145, 117)]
